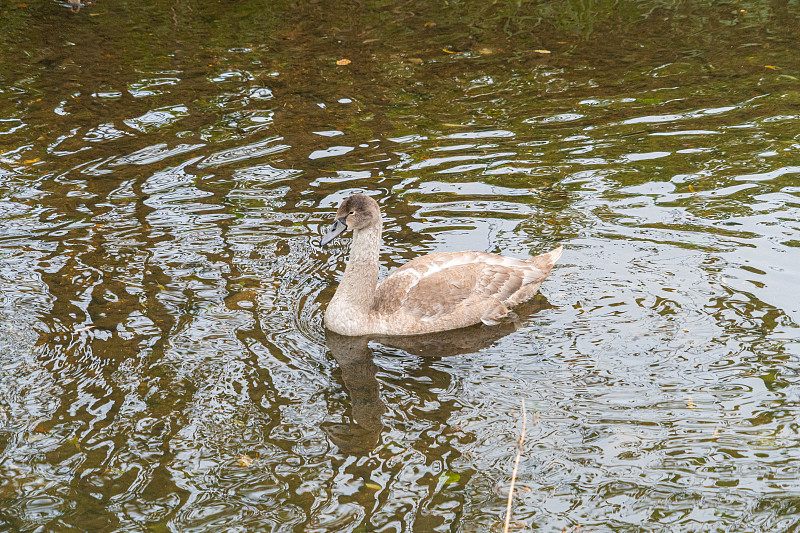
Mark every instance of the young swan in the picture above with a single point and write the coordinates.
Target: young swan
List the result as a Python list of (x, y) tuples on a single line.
[(435, 292)]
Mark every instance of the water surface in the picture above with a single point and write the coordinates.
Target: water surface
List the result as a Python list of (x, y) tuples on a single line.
[(166, 170)]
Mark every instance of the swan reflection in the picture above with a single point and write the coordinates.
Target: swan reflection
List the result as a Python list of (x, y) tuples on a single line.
[(355, 356)]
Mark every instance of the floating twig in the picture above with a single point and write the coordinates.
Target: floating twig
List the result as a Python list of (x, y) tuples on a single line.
[(516, 464)]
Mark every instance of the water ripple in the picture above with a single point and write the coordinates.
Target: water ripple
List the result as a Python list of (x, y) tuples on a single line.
[(244, 152)]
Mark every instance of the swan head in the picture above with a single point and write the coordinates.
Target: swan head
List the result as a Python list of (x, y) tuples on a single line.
[(356, 212)]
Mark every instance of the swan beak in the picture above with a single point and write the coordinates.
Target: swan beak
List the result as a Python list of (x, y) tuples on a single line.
[(338, 227)]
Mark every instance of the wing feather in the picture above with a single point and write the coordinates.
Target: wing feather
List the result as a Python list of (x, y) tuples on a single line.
[(434, 285)]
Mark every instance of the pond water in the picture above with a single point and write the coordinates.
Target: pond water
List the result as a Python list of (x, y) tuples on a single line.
[(167, 169)]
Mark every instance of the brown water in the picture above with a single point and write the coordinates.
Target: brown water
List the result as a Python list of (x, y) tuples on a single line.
[(167, 169)]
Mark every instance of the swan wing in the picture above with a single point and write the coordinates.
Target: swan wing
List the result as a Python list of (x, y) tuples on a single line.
[(435, 285)]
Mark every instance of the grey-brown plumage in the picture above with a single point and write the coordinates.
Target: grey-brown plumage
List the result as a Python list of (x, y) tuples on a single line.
[(435, 292)]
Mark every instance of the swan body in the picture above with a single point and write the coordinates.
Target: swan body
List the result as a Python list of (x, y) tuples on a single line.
[(431, 293)]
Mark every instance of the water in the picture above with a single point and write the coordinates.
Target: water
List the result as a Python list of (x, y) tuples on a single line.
[(167, 170)]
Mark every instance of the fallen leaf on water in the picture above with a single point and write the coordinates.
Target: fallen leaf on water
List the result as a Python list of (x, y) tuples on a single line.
[(373, 486), (485, 51), (691, 189), (448, 51), (245, 460), (449, 478), (415, 60), (367, 41), (542, 51), (769, 67), (429, 24), (84, 328), (690, 403), (343, 62), (22, 5), (454, 125)]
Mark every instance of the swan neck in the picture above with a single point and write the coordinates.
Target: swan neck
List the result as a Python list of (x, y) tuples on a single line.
[(360, 278)]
